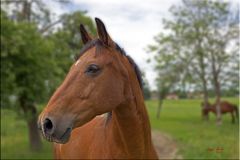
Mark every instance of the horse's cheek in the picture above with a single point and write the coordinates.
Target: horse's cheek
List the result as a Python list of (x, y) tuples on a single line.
[(86, 92)]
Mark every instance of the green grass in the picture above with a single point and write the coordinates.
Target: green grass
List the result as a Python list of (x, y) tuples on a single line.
[(14, 139), (181, 119)]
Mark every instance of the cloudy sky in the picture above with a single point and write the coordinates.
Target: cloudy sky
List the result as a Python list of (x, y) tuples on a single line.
[(131, 23)]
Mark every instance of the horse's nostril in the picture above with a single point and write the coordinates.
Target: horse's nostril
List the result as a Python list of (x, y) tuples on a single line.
[(48, 125)]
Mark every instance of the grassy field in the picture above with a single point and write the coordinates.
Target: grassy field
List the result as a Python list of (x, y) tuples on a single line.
[(179, 118), (14, 139)]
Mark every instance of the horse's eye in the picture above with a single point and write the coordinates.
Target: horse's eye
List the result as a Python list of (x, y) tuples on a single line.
[(92, 69)]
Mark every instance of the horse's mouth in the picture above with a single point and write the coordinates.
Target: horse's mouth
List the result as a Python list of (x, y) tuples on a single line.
[(64, 138)]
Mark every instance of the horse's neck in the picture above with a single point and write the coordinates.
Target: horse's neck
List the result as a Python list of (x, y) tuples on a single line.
[(130, 125), (130, 129)]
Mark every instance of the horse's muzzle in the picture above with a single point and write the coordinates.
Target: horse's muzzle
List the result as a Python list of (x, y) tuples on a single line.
[(53, 132)]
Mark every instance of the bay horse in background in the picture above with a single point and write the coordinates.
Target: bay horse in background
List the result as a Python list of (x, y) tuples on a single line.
[(225, 106), (98, 112)]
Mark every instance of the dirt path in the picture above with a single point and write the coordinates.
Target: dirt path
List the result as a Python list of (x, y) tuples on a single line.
[(166, 148)]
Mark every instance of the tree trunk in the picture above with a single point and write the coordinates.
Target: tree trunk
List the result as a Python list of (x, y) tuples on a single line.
[(202, 75), (218, 100), (159, 107), (205, 92), (33, 132), (216, 83), (30, 113), (204, 85)]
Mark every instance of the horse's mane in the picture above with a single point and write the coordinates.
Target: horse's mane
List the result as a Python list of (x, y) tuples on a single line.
[(97, 42)]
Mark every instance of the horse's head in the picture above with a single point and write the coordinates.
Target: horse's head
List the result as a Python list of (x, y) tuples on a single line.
[(96, 83), (206, 107)]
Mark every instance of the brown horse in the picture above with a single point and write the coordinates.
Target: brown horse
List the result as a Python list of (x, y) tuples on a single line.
[(102, 80), (225, 106)]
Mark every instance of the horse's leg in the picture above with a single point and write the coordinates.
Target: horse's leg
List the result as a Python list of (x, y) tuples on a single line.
[(207, 117), (233, 117)]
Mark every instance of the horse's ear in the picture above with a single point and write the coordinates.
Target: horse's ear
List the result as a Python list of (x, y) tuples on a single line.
[(102, 33), (85, 36)]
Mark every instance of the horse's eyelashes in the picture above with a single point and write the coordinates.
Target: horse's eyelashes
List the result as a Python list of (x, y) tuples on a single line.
[(92, 70)]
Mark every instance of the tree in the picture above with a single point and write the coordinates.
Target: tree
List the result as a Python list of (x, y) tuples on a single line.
[(224, 32), (170, 63), (34, 11), (25, 62), (166, 82), (167, 66), (67, 38), (210, 31), (192, 32), (146, 88), (34, 60)]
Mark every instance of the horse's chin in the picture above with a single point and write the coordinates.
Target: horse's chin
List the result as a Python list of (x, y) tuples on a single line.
[(63, 139)]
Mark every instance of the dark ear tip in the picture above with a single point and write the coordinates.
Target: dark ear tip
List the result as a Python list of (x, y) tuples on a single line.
[(98, 20), (81, 26)]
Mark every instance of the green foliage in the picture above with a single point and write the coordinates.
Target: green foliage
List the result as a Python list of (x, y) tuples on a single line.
[(67, 39), (198, 31), (25, 61), (34, 58), (146, 90), (7, 79), (32, 65)]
